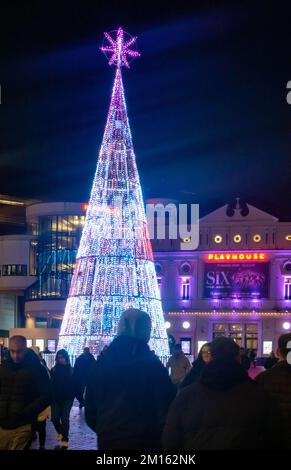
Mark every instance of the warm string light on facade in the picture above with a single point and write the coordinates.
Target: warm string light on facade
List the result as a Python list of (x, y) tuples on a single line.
[(231, 314), (114, 265)]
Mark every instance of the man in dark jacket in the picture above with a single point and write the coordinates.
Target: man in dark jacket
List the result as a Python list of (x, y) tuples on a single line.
[(277, 382), (129, 392), (24, 393), (226, 410), (82, 368)]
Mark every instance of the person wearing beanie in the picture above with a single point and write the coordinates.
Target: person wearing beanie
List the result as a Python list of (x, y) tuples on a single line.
[(225, 410), (129, 391)]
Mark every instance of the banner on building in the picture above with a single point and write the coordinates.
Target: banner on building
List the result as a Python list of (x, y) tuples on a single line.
[(236, 280)]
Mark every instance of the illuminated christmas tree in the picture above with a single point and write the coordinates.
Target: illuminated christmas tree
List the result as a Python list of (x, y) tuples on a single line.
[(114, 265)]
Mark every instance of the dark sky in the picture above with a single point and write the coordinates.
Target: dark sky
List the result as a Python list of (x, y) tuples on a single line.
[(206, 100)]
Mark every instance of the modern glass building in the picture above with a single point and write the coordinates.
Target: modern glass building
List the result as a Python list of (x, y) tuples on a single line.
[(58, 238)]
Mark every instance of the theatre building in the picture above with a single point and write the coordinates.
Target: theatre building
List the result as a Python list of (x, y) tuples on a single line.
[(237, 283)]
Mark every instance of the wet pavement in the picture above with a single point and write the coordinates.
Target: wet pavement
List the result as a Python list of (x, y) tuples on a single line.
[(80, 438)]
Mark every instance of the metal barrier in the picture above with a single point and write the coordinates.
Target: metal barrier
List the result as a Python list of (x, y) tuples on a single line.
[(50, 359)]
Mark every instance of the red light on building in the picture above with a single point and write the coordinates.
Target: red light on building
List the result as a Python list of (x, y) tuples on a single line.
[(235, 257), (85, 206)]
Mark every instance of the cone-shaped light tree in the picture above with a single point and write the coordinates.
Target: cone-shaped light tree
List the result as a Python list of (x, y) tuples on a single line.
[(114, 265)]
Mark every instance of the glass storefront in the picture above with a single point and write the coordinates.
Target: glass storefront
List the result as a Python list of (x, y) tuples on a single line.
[(56, 249), (244, 334), (13, 270)]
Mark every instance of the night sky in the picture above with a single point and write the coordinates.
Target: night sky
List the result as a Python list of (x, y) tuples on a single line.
[(206, 100)]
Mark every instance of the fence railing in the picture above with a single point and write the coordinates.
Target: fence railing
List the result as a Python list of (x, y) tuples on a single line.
[(50, 359)]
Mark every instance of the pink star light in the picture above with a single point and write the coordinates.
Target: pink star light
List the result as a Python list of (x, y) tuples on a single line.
[(118, 49)]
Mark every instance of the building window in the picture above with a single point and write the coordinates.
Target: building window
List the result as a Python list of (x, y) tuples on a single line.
[(32, 257), (55, 323), (56, 249), (287, 288), (244, 334), (14, 270), (185, 288), (41, 322)]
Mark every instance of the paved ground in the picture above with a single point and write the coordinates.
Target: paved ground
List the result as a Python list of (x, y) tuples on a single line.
[(81, 437)]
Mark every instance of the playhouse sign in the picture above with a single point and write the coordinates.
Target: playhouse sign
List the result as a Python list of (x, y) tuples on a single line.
[(239, 257)]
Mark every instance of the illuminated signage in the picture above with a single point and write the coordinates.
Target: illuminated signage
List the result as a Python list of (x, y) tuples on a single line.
[(235, 257), (236, 280)]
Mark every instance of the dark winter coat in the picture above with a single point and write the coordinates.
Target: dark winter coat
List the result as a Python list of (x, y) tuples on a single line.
[(24, 391), (277, 383), (225, 410), (245, 361), (62, 383), (82, 368), (127, 397), (270, 362), (194, 374)]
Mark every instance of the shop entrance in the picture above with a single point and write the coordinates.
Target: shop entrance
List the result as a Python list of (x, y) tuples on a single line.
[(244, 334)]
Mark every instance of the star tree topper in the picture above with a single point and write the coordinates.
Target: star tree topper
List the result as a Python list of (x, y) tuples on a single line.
[(119, 49)]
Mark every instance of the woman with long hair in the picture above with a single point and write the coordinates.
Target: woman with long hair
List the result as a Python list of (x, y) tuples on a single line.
[(203, 358)]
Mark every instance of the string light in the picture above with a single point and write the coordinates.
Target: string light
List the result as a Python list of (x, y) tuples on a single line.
[(114, 264), (231, 313)]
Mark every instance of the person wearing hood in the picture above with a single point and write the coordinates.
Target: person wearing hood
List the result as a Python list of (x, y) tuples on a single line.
[(82, 369), (63, 394), (24, 394), (225, 410), (129, 390)]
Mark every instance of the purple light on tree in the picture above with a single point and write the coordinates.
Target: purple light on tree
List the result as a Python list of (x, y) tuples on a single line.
[(114, 267)]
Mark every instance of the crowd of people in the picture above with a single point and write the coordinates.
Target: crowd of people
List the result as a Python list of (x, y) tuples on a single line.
[(132, 401)]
